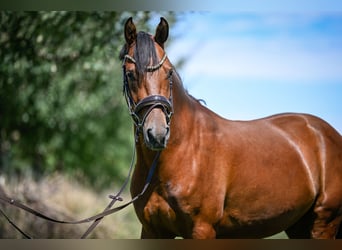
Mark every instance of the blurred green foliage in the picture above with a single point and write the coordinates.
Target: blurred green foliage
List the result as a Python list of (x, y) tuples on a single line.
[(61, 103)]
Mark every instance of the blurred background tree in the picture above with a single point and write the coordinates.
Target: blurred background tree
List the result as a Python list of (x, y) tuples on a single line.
[(61, 103)]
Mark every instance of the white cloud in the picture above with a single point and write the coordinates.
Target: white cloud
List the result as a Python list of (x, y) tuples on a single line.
[(276, 58), (287, 47)]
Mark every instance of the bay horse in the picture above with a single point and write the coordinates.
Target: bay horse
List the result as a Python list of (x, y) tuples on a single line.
[(218, 178)]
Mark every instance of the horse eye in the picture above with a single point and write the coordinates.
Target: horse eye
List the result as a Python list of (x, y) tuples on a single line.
[(130, 75), (132, 81), (169, 74)]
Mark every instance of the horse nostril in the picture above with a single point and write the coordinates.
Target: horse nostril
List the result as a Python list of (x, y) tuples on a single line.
[(156, 139), (150, 135)]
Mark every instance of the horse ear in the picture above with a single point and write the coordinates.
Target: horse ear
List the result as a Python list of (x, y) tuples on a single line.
[(162, 32), (130, 31)]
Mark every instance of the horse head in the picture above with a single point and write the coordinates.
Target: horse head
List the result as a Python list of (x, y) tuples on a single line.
[(147, 75)]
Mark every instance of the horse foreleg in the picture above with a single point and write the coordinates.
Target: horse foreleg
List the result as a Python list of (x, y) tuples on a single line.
[(160, 234), (147, 235), (203, 230)]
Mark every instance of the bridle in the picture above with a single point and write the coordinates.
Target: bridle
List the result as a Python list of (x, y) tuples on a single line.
[(150, 102)]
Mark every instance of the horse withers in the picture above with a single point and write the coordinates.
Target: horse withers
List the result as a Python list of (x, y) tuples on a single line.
[(217, 178)]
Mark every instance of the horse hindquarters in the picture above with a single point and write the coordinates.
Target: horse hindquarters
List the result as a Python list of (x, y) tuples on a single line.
[(328, 206), (324, 217)]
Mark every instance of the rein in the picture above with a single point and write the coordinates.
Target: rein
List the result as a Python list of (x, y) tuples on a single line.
[(95, 218)]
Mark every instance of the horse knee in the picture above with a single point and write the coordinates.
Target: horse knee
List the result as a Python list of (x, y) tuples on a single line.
[(203, 231)]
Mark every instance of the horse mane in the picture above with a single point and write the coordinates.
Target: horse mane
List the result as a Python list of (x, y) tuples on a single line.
[(180, 81), (143, 53)]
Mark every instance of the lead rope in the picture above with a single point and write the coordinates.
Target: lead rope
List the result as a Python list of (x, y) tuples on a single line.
[(113, 198), (96, 218), (15, 226)]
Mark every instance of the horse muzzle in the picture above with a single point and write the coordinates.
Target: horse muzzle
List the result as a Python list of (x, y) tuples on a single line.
[(156, 131), (152, 116)]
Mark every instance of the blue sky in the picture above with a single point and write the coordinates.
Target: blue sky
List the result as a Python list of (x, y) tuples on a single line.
[(248, 65)]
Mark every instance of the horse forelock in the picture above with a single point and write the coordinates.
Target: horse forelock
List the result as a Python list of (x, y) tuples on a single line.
[(145, 52)]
